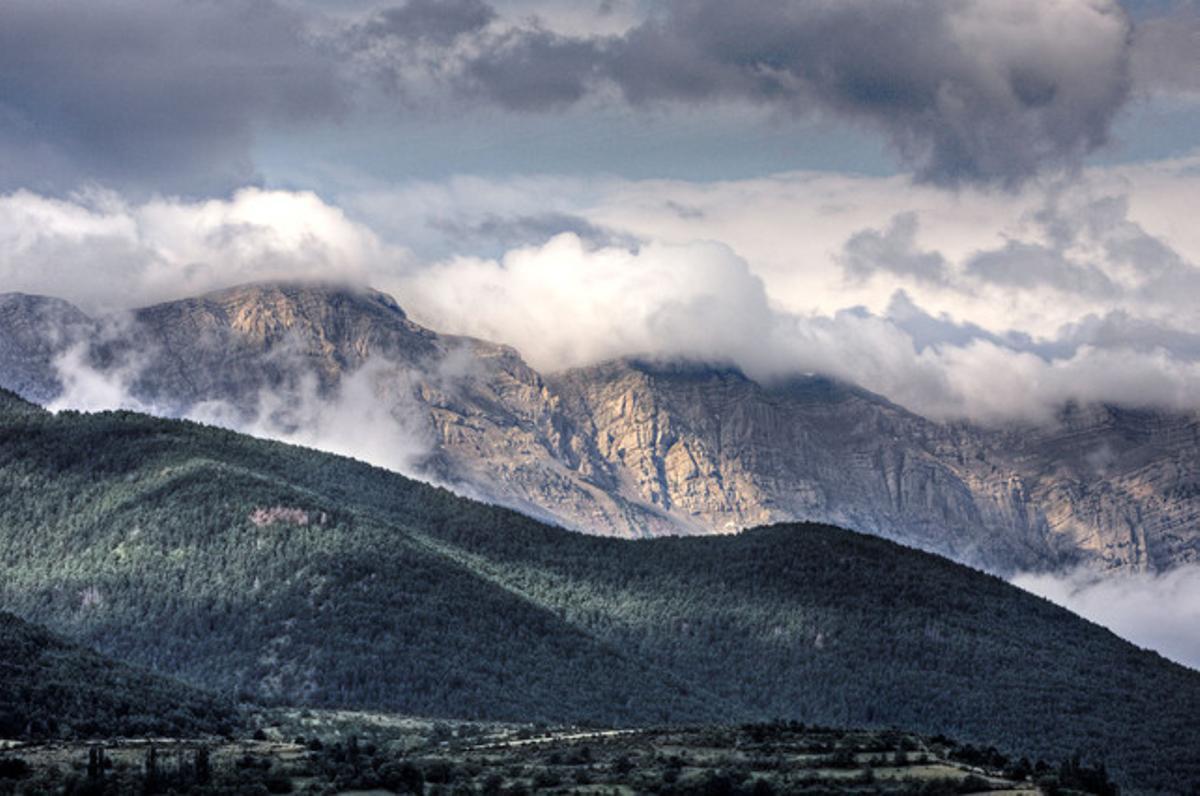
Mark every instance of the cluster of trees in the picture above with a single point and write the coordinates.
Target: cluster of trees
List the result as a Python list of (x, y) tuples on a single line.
[(1069, 776), (160, 771), (566, 767), (136, 536)]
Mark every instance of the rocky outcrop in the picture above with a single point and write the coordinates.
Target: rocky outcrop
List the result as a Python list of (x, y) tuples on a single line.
[(638, 448), (720, 452)]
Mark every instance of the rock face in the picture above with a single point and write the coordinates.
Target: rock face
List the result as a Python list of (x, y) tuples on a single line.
[(34, 331), (636, 448), (1105, 486)]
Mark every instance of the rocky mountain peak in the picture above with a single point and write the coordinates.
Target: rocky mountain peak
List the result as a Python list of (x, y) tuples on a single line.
[(285, 303), (337, 318), (638, 446)]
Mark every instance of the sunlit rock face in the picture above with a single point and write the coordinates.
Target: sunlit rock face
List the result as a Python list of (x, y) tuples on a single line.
[(634, 448), (720, 452)]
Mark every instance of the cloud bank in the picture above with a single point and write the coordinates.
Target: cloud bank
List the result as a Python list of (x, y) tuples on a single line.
[(976, 92), (169, 93), (990, 307), (175, 96), (976, 305), (102, 252), (371, 415), (564, 305)]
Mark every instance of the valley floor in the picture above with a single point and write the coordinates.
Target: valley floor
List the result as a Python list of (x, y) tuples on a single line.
[(352, 753)]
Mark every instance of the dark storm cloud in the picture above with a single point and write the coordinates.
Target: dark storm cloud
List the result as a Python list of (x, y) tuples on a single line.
[(1166, 55), (958, 110), (534, 70), (166, 94), (966, 92), (171, 93), (945, 82)]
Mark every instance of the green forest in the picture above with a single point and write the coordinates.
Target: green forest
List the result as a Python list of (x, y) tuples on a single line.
[(52, 688), (269, 572)]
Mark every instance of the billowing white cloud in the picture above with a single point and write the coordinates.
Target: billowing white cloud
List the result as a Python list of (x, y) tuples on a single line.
[(371, 416), (100, 251), (565, 305), (86, 388), (1012, 304), (1158, 611), (978, 305), (977, 256)]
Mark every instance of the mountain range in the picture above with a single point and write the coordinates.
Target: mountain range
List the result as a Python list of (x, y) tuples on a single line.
[(632, 448), (268, 572)]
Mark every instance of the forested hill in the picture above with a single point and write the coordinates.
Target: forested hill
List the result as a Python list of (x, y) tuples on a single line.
[(52, 688), (250, 566)]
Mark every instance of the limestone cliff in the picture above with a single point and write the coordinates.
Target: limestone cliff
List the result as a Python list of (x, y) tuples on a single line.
[(637, 448)]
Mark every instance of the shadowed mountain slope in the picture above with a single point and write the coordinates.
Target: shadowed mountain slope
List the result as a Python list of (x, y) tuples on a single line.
[(52, 688), (251, 566)]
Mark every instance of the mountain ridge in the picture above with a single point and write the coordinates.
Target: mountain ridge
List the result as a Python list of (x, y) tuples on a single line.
[(643, 448), (254, 567)]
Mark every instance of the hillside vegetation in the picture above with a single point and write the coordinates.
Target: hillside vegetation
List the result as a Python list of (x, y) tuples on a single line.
[(52, 688), (254, 567), (432, 758)]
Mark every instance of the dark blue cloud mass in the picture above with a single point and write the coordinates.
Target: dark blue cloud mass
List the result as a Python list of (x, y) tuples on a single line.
[(978, 92), (171, 94), (167, 94)]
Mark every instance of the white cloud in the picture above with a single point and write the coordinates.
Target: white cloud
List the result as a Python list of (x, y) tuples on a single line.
[(1158, 611), (102, 252), (371, 417), (86, 388), (564, 305), (753, 272), (792, 231)]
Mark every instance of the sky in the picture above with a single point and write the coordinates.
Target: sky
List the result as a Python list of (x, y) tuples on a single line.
[(980, 209)]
